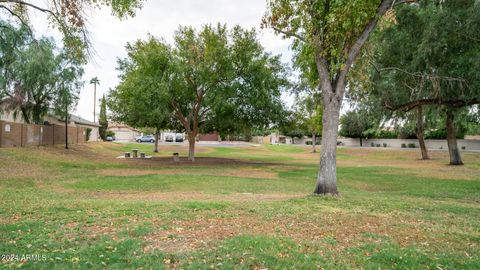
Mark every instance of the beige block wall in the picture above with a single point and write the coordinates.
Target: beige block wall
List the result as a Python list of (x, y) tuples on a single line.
[(21, 135)]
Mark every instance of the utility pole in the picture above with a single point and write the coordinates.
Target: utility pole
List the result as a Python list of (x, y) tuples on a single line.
[(94, 100)]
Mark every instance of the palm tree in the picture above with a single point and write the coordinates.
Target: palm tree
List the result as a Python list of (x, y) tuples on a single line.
[(94, 81)]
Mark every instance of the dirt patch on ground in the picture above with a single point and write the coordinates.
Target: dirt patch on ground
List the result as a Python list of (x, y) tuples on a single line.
[(199, 161), (244, 172)]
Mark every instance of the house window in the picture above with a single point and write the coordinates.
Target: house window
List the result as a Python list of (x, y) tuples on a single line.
[(7, 128)]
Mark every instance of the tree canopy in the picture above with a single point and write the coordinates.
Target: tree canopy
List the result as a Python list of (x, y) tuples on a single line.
[(141, 98), (436, 65), (69, 17), (355, 124), (209, 79), (328, 38), (35, 75), (253, 101)]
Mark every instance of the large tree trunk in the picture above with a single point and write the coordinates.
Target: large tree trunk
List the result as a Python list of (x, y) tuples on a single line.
[(327, 176), (157, 137), (314, 143), (455, 158), (191, 147), (333, 89), (420, 133), (25, 116)]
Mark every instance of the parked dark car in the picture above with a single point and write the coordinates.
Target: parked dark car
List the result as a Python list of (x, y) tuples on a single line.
[(169, 138), (179, 138), (146, 138)]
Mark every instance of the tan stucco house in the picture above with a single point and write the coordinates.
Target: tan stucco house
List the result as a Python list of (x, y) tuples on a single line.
[(123, 132)]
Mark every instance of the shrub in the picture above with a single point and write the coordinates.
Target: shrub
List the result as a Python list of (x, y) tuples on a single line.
[(378, 145), (310, 142), (384, 145), (372, 144), (411, 145), (88, 132), (463, 147), (441, 134), (438, 134), (404, 145), (386, 134), (110, 133)]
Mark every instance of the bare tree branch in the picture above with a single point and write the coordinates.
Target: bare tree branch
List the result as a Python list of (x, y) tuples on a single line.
[(422, 75), (62, 24), (413, 104), (30, 5), (22, 21), (289, 33)]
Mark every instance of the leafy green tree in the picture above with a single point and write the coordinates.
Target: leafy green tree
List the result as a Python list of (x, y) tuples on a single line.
[(13, 40), (37, 69), (355, 124), (211, 79), (329, 36), (69, 17), (221, 74), (254, 90), (433, 67), (66, 100), (141, 99), (291, 126), (311, 122), (201, 78), (67, 86), (102, 119), (36, 75)]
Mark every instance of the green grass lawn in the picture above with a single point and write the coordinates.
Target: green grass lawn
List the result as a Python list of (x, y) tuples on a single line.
[(246, 207)]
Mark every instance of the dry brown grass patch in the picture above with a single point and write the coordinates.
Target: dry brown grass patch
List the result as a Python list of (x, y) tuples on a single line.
[(11, 168), (243, 172)]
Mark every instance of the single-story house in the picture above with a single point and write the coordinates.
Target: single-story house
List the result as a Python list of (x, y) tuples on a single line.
[(277, 138), (80, 122), (123, 132)]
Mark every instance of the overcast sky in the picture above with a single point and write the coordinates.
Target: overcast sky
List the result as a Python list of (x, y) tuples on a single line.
[(160, 18)]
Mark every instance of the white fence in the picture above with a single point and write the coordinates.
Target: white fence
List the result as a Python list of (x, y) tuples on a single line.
[(397, 143)]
